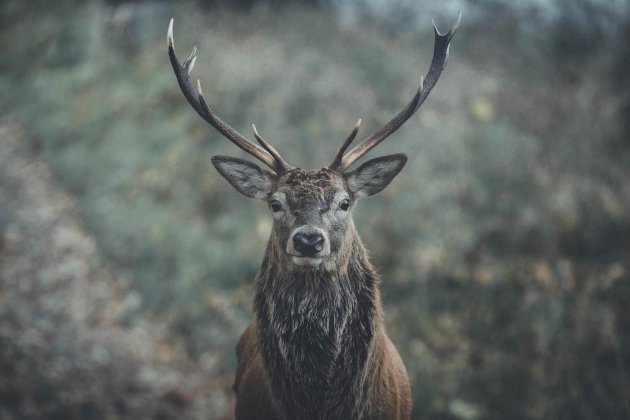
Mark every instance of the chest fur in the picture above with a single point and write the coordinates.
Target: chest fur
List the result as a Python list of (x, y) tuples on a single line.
[(315, 338)]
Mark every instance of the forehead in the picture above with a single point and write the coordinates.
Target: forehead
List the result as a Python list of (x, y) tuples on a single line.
[(310, 184)]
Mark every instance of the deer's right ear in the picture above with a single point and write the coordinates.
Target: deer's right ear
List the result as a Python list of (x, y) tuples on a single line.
[(246, 177)]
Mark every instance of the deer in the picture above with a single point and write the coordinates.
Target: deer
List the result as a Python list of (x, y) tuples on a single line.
[(316, 347)]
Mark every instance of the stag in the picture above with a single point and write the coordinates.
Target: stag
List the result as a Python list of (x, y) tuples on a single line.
[(317, 346)]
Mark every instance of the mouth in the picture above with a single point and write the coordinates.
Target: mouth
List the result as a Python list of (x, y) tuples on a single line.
[(306, 261)]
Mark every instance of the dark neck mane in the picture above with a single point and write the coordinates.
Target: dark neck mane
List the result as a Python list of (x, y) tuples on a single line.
[(316, 329)]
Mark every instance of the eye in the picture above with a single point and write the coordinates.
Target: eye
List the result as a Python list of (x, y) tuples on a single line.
[(344, 205), (275, 206)]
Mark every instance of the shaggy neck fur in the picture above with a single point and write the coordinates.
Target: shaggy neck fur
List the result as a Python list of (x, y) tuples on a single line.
[(316, 330)]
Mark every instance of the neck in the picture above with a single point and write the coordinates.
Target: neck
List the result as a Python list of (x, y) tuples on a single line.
[(316, 328)]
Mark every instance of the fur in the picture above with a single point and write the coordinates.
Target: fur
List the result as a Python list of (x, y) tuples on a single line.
[(317, 347)]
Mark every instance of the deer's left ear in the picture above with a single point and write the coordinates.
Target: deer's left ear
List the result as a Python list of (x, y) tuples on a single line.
[(374, 175)]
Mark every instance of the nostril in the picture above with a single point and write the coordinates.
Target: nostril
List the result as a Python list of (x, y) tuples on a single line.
[(300, 243), (300, 239), (316, 239)]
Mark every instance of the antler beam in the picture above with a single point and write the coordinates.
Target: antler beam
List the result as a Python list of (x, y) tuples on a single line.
[(440, 56), (266, 154)]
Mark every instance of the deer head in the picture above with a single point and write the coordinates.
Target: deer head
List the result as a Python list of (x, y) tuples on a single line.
[(311, 208)]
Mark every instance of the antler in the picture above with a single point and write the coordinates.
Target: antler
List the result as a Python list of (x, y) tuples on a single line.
[(267, 154), (342, 162)]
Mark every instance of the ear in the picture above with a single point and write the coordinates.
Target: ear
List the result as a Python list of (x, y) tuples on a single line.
[(374, 175), (246, 177)]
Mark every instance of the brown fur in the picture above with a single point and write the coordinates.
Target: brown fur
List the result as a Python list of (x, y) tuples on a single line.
[(317, 346)]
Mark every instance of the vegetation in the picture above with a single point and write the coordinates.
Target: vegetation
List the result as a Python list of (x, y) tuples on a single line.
[(504, 246)]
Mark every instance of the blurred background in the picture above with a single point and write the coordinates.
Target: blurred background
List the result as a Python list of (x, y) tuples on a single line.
[(127, 263)]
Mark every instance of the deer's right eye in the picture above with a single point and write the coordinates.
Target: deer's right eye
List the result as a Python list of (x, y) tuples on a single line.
[(275, 206)]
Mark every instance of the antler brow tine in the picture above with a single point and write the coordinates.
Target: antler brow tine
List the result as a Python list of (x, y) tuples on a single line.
[(438, 63), (281, 165), (266, 154), (336, 163)]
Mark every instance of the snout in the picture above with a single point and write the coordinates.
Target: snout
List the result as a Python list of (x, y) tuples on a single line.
[(308, 245)]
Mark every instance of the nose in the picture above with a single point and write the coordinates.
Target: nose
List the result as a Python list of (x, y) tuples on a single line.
[(308, 244)]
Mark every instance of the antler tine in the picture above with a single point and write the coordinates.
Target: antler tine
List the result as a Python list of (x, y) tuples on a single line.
[(281, 165), (336, 163), (438, 63), (199, 104)]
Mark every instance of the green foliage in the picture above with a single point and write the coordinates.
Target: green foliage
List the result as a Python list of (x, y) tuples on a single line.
[(502, 245)]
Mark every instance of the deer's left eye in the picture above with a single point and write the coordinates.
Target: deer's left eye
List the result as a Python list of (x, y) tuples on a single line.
[(344, 205)]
